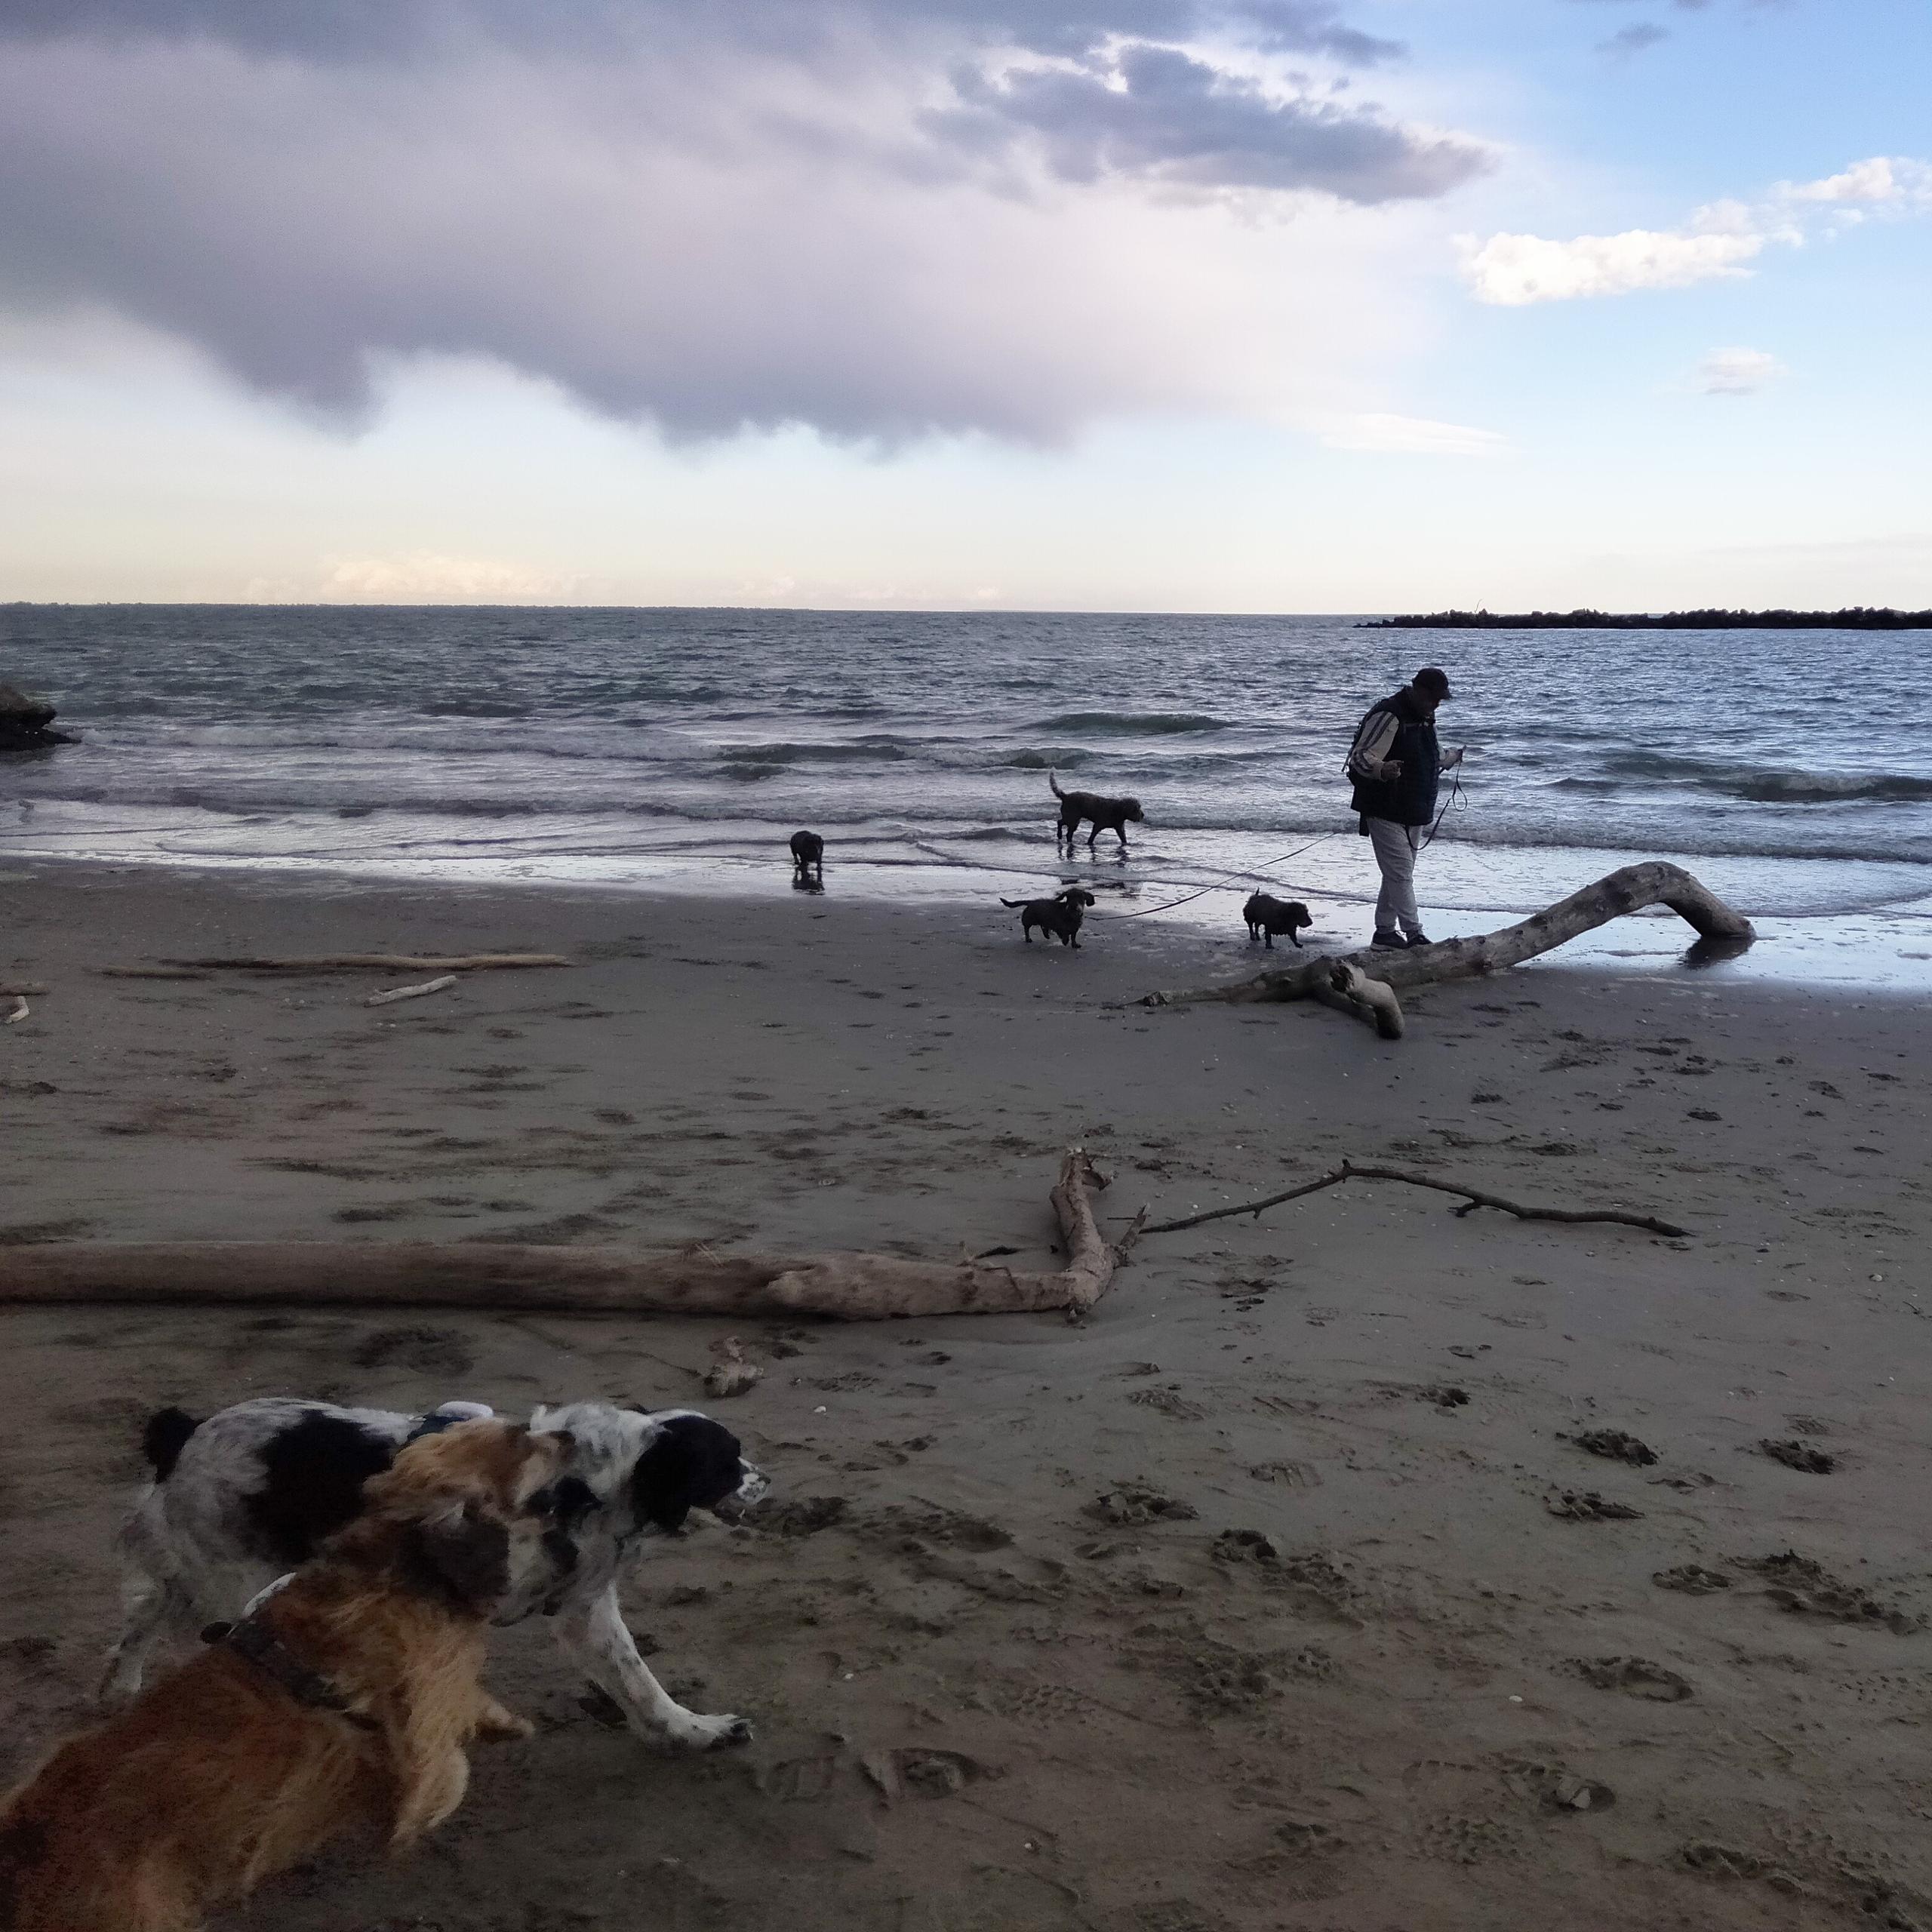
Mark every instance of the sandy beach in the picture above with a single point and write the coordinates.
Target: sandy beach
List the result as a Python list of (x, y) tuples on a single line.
[(1281, 1592)]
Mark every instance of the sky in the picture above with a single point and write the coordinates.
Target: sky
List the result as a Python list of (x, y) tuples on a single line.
[(1187, 305)]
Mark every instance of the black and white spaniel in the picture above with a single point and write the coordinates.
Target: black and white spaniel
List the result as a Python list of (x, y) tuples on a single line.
[(246, 1495)]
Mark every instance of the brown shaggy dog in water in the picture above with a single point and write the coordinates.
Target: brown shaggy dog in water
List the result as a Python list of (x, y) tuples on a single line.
[(344, 1698)]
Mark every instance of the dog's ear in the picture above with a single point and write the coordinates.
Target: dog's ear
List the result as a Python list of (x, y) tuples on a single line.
[(692, 1463), (466, 1551)]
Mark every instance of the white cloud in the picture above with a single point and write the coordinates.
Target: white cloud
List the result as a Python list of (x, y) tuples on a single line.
[(1737, 372), (1881, 179), (1718, 240), (1411, 435), (1512, 270), (425, 576)]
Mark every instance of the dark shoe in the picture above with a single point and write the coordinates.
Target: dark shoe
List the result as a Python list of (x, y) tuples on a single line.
[(1418, 939), (1390, 942)]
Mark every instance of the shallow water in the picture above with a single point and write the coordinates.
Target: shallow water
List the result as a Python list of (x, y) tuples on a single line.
[(680, 748)]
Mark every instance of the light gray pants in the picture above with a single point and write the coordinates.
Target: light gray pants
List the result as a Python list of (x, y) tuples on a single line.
[(1395, 849)]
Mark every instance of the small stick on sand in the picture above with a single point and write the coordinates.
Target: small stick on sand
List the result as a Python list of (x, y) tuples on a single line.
[(19, 1010), (151, 972), (380, 962), (20, 989), (410, 992), (1471, 1198)]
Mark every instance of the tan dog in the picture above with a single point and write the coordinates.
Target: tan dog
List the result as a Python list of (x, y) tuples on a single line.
[(344, 1699)]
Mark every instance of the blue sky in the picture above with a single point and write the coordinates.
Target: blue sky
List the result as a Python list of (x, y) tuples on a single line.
[(1172, 304)]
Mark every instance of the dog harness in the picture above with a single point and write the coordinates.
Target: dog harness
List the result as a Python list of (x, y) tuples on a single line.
[(266, 1651), (446, 1415)]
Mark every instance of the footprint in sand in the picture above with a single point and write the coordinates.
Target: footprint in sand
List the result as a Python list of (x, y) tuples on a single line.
[(1693, 1579), (1556, 1788), (1129, 1505), (1168, 1402), (1585, 1505), (1615, 1444), (423, 1350), (1636, 1677), (1796, 1455), (798, 1516)]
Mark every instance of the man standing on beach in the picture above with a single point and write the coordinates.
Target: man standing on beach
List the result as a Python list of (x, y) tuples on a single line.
[(1395, 763)]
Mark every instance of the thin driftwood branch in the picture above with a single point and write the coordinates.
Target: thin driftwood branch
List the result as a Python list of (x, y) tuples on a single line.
[(378, 962), (1381, 975), (1471, 1198), (21, 988), (582, 1281), (396, 993)]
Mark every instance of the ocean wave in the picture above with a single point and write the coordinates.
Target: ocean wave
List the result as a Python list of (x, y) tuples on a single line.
[(879, 750), (1774, 784), (1132, 724), (1060, 760)]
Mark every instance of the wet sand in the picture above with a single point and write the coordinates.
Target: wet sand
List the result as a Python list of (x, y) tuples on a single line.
[(1274, 1595)]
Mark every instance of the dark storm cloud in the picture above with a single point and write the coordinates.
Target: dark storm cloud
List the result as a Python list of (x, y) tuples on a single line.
[(356, 29), (875, 220), (1159, 112)]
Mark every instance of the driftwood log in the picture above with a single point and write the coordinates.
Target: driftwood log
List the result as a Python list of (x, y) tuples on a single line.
[(396, 993), (1471, 1199), (376, 962), (1366, 983), (572, 1281)]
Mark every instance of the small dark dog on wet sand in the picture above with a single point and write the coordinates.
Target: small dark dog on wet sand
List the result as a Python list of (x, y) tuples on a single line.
[(808, 853), (1058, 917), (1266, 916), (1108, 814)]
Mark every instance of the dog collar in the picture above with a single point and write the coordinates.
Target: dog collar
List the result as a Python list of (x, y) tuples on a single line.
[(266, 1651)]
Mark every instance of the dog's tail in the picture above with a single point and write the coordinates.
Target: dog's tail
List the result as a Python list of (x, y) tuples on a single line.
[(1016, 904), (164, 1439), (1054, 783)]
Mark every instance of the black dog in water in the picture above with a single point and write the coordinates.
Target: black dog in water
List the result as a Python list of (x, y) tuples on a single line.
[(808, 853), (1108, 815), (1058, 917), (1266, 916)]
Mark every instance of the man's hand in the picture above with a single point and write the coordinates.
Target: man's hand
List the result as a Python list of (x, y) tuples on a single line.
[(1454, 758)]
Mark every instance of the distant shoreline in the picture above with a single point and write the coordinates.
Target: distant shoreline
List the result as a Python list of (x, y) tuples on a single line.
[(1859, 618)]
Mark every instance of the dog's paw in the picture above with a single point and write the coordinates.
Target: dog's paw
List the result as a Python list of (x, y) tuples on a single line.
[(496, 1724), (691, 1732)]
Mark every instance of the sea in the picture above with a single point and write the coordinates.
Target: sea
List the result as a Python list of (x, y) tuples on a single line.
[(677, 750)]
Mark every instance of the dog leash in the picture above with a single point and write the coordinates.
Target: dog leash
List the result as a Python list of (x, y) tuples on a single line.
[(1267, 865)]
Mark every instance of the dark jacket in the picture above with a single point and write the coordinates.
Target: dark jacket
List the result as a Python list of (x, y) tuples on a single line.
[(1410, 799)]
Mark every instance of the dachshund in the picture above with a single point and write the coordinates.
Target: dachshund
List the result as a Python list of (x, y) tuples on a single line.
[(1059, 917), (1266, 916), (1108, 814)]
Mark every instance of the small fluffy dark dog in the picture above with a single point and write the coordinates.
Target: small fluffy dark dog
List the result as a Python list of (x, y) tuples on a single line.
[(807, 852), (1266, 916), (1059, 917), (343, 1699), (1108, 814)]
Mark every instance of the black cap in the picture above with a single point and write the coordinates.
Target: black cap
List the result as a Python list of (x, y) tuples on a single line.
[(1430, 679)]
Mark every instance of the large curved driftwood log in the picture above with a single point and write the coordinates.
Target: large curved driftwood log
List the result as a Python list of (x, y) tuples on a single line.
[(359, 962), (1366, 982), (574, 1281)]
